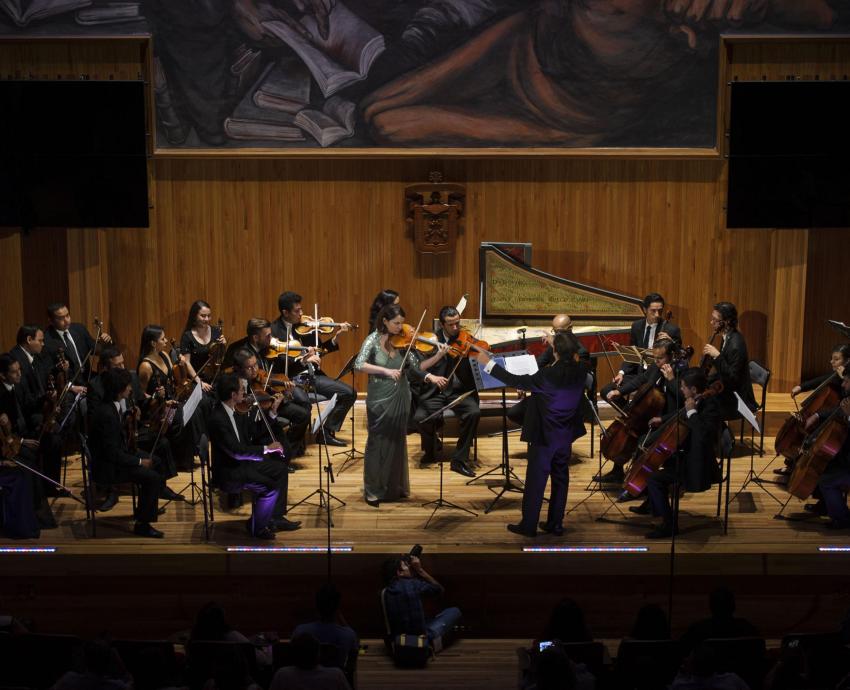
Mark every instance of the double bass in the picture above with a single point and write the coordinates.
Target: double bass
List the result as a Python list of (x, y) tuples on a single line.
[(818, 450), (670, 436), (792, 434)]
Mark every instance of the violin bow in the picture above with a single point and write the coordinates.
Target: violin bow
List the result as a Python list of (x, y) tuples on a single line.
[(412, 341)]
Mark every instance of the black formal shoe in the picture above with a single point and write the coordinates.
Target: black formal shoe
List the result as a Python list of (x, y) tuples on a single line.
[(783, 471), (557, 530), (108, 502), (427, 460), (330, 440), (266, 534), (519, 529), (144, 529), (818, 508), (373, 502), (169, 494), (838, 524), (643, 509), (661, 532), (160, 510), (615, 476), (462, 468), (284, 525)]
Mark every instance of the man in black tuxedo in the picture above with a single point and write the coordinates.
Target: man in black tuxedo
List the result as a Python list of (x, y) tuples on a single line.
[(432, 398), (291, 313), (643, 334), (731, 362), (695, 467), (74, 339), (114, 462), (243, 457), (552, 423)]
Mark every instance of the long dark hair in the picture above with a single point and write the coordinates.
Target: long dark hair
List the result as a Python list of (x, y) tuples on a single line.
[(388, 313), (382, 299), (150, 332), (197, 305), (210, 623)]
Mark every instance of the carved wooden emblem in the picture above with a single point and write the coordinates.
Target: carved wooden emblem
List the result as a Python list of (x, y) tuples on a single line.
[(434, 212)]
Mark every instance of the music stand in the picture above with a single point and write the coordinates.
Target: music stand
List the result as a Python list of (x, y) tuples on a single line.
[(441, 502), (352, 453), (484, 381), (840, 326)]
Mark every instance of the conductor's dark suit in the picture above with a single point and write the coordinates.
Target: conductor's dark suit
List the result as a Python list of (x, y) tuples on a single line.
[(552, 423), (240, 462)]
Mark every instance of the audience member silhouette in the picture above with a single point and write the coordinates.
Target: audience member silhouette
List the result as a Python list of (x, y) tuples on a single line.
[(104, 670), (700, 673), (721, 624), (331, 627), (566, 623), (211, 625), (554, 670), (307, 674), (651, 624)]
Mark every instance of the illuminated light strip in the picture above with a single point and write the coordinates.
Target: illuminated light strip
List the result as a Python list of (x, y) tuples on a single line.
[(834, 549), (27, 549), (585, 549), (288, 549)]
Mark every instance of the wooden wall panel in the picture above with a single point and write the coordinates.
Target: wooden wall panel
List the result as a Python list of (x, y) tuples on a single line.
[(44, 268), (11, 287)]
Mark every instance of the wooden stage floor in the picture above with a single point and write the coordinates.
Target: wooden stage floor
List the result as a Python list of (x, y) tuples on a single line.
[(394, 526)]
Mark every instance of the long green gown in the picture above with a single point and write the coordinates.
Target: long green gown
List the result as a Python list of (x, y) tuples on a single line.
[(385, 472)]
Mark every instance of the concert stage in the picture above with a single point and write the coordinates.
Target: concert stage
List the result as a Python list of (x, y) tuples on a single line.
[(785, 581)]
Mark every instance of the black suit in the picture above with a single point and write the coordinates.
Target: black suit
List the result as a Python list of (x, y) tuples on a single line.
[(240, 462), (552, 423), (33, 375), (114, 463), (430, 399), (732, 368), (83, 342), (637, 337), (669, 389), (697, 461), (324, 384)]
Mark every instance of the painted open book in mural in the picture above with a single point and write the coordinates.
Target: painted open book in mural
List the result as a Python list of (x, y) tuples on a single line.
[(433, 73)]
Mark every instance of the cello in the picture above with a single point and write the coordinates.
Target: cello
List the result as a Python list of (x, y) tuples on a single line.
[(792, 434), (670, 436), (621, 438), (818, 450)]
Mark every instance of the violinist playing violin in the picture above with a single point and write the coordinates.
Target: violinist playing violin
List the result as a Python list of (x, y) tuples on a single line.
[(199, 336), (283, 328), (835, 480), (74, 339), (695, 466), (432, 398)]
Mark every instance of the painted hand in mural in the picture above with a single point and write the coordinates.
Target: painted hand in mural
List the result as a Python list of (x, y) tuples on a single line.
[(734, 12), (251, 13), (321, 10)]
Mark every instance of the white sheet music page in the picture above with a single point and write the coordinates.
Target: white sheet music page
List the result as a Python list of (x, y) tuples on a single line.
[(521, 365)]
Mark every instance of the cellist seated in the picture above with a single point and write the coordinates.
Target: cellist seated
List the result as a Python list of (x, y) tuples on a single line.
[(694, 467), (835, 480)]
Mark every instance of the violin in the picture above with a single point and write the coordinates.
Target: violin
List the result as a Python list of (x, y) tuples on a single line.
[(50, 408), (259, 396), (210, 369), (791, 436), (293, 349), (426, 342), (818, 450), (10, 443), (707, 362), (671, 435), (325, 326), (183, 383), (131, 427), (466, 343)]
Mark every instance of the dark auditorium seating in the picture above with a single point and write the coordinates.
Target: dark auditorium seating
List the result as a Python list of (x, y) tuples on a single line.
[(646, 664)]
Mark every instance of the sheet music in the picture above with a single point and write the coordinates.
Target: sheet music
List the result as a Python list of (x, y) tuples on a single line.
[(521, 365), (747, 413), (192, 403), (324, 413)]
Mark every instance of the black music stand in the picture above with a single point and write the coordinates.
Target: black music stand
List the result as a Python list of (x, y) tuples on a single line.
[(324, 495), (441, 502), (484, 381), (352, 453)]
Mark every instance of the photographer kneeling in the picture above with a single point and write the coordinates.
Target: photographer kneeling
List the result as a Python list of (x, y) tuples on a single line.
[(407, 583)]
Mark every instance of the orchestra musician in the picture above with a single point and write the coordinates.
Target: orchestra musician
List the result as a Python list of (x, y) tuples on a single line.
[(242, 458), (643, 335), (431, 399), (838, 360), (13, 405), (835, 481), (382, 299), (388, 400), (552, 423), (36, 368), (283, 328), (114, 461), (731, 362), (199, 334), (695, 466), (74, 338), (296, 408)]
